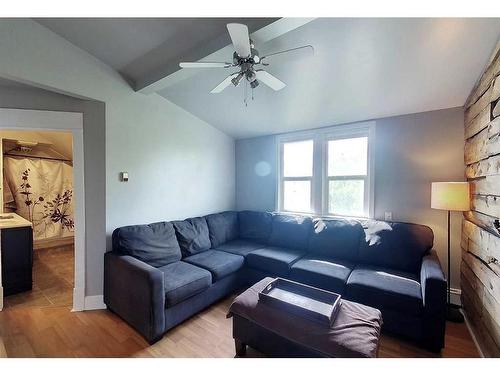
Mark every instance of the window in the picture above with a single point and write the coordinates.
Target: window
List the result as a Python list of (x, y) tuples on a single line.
[(297, 166), (328, 171), (347, 175)]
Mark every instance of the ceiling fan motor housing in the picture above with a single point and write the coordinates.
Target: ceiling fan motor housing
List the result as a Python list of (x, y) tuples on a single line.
[(253, 58)]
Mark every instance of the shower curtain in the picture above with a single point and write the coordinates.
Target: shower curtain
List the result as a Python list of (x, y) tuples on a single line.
[(43, 194)]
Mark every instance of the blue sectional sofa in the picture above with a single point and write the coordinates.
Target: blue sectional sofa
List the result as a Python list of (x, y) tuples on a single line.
[(161, 274)]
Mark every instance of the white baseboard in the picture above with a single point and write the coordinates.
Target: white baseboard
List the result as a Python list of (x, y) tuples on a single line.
[(94, 303), (78, 299), (455, 296)]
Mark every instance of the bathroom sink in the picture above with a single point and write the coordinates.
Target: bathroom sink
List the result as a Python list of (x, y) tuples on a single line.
[(7, 217)]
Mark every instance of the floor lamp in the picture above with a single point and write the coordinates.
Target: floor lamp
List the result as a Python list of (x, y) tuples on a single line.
[(451, 196)]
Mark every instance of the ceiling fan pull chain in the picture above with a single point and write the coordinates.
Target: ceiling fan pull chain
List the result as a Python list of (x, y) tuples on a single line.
[(246, 95)]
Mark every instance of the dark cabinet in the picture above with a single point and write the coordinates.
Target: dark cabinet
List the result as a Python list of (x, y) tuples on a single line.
[(17, 260)]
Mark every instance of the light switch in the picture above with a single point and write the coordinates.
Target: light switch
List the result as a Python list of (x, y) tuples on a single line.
[(388, 216), (124, 176)]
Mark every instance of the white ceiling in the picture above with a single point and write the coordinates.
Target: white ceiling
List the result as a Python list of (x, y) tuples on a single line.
[(362, 68)]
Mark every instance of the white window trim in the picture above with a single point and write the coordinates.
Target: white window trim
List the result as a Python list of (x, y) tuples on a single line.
[(320, 178)]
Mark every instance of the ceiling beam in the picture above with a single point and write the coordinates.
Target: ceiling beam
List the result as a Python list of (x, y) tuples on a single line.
[(217, 50)]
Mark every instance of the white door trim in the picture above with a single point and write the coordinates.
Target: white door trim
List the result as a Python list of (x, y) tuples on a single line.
[(26, 119)]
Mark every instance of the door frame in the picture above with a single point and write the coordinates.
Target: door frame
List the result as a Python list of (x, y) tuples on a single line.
[(36, 120)]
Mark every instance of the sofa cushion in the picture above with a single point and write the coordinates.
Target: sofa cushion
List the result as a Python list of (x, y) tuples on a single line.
[(154, 244), (275, 260), (336, 238), (322, 273), (223, 227), (240, 247), (183, 280), (255, 225), (393, 245), (385, 289), (219, 263), (290, 231), (192, 235)]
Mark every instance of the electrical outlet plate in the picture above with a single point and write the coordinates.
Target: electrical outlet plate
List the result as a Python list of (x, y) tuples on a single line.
[(388, 216)]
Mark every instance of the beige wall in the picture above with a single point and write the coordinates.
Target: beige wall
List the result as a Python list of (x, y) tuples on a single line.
[(411, 151)]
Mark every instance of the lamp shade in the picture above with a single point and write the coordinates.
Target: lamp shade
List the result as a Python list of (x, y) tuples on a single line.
[(450, 196)]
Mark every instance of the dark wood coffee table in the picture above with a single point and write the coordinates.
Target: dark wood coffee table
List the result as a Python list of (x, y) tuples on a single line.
[(277, 333)]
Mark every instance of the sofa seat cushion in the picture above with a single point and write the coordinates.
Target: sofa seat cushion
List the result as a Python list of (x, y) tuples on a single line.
[(239, 247), (183, 280), (324, 273), (385, 289), (219, 263), (275, 260)]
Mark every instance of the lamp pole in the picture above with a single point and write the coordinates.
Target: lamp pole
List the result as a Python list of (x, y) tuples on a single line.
[(453, 313)]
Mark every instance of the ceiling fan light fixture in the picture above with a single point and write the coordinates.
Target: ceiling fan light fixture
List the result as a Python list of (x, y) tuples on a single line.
[(236, 80), (254, 84)]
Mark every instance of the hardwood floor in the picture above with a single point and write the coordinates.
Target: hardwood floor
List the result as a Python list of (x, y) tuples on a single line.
[(56, 332), (40, 324)]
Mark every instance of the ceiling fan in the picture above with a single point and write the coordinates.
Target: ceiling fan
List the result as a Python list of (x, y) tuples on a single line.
[(246, 58)]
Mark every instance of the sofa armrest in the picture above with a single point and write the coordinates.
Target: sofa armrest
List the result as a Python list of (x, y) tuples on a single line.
[(433, 283), (135, 291)]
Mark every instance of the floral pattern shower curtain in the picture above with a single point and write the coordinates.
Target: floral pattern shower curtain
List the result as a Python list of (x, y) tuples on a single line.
[(43, 194)]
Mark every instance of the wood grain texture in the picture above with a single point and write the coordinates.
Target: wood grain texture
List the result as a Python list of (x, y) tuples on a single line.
[(479, 123), (57, 332), (487, 185), (484, 221), (483, 168), (475, 109), (484, 144), (480, 241)]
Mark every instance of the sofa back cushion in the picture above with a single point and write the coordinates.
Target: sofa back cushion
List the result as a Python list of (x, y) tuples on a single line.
[(255, 226), (336, 238), (223, 227), (192, 235), (399, 246), (290, 231), (154, 244)]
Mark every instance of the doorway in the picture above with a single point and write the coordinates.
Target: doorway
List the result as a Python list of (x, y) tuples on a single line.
[(59, 250), (37, 185)]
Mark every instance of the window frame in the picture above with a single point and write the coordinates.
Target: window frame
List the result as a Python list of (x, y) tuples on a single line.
[(320, 179)]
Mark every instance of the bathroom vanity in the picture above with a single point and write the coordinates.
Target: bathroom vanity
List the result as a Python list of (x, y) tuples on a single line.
[(16, 255)]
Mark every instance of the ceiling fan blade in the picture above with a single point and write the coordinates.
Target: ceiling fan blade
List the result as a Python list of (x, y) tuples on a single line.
[(269, 80), (292, 53), (205, 64), (221, 86), (240, 38)]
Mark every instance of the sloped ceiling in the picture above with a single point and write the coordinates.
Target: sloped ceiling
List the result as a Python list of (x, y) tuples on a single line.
[(363, 68)]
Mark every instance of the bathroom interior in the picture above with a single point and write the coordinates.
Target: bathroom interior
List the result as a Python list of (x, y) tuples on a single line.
[(37, 200)]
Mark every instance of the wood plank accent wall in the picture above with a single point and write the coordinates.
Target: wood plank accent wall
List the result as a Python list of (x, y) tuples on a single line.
[(480, 267)]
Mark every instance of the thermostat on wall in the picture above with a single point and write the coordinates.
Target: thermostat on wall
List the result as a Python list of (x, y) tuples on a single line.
[(124, 176)]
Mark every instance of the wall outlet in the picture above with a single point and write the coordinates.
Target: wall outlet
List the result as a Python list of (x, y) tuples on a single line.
[(388, 216)]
